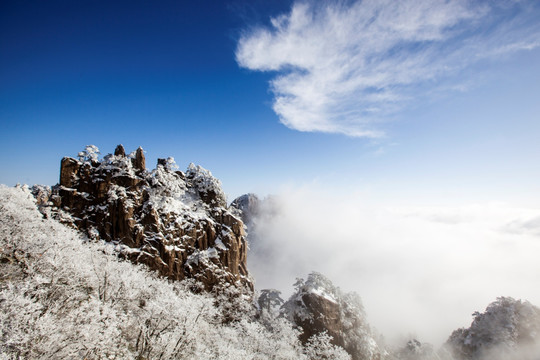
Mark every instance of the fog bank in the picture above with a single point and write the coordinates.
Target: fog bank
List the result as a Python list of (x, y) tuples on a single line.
[(420, 271)]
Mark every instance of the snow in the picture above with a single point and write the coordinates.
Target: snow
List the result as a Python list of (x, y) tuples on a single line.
[(202, 256), (89, 154), (170, 194), (322, 293), (206, 183), (117, 165), (220, 245)]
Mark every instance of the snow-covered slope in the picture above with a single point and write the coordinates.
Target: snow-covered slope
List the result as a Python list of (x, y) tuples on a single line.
[(63, 296)]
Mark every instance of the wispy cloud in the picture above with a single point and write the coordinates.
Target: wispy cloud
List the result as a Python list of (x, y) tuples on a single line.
[(343, 67)]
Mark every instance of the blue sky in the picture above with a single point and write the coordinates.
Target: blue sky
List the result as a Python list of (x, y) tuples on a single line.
[(433, 101)]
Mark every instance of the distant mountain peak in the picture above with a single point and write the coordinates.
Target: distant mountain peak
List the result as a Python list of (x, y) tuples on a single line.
[(248, 206)]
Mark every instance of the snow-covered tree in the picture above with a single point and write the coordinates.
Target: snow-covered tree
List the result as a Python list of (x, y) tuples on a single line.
[(270, 301), (170, 164), (90, 153), (319, 347)]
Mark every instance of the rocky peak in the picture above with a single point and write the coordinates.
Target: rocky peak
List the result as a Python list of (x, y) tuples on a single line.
[(317, 306), (508, 329), (248, 207), (139, 163), (175, 223), (120, 151)]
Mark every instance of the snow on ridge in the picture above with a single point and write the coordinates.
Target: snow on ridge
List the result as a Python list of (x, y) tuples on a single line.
[(170, 193)]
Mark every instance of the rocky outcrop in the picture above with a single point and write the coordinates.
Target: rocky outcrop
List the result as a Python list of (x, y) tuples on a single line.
[(248, 207), (120, 151), (508, 329), (69, 169), (139, 162), (175, 223), (318, 306)]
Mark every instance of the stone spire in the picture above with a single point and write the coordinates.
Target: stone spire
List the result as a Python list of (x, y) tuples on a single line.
[(120, 151), (140, 162)]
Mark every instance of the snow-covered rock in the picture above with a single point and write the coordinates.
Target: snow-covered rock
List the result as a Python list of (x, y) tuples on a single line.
[(508, 329), (176, 223), (318, 307), (248, 207)]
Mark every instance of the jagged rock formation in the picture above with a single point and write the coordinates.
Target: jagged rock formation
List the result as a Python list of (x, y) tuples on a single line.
[(176, 223), (318, 306), (508, 329)]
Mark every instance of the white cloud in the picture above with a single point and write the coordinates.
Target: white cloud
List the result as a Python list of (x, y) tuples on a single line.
[(342, 67), (529, 226), (418, 270)]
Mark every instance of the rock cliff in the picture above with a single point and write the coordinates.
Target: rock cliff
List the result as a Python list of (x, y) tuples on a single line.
[(176, 223)]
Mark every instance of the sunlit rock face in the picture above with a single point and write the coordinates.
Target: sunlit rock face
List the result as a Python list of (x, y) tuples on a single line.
[(318, 306), (508, 330), (176, 223)]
